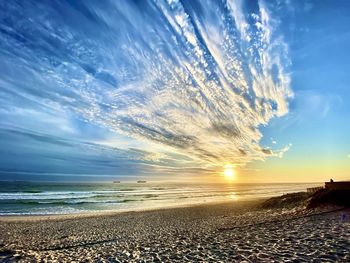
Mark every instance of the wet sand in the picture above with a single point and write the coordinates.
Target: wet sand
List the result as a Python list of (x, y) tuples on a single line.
[(229, 232)]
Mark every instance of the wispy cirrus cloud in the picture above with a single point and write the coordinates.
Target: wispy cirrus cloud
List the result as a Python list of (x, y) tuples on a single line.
[(197, 79)]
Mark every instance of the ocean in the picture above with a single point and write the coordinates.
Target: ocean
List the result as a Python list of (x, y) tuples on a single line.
[(32, 198)]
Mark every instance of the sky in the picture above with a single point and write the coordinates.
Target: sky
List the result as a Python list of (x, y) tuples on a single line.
[(175, 90)]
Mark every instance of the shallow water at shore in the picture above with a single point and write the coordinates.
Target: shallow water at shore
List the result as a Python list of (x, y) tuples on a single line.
[(28, 198)]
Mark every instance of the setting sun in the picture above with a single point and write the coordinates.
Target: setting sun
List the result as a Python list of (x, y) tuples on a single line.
[(229, 173)]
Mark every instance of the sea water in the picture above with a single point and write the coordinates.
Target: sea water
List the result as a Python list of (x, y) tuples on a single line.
[(33, 198)]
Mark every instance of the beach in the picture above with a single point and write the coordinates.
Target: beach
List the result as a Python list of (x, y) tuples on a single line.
[(174, 131), (221, 232)]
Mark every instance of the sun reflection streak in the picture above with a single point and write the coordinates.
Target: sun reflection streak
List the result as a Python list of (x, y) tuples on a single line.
[(233, 196)]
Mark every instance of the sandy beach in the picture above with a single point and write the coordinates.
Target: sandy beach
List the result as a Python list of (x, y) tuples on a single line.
[(227, 232)]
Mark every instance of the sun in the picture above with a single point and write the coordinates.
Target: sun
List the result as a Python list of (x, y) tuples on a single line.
[(229, 173)]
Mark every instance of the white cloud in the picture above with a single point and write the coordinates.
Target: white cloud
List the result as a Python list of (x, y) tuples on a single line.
[(196, 86), (214, 120), (284, 150)]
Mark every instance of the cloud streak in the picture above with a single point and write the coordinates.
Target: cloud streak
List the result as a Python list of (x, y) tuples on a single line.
[(196, 78)]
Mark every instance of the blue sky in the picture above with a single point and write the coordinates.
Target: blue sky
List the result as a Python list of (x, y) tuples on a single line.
[(174, 90)]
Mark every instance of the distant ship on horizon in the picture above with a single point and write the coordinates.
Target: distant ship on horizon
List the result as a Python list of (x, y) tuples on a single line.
[(116, 182), (141, 181)]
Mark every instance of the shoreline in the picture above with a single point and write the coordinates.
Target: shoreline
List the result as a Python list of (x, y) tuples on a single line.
[(74, 199), (38, 217)]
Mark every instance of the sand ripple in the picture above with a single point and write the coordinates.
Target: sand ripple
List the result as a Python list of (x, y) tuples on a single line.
[(220, 233)]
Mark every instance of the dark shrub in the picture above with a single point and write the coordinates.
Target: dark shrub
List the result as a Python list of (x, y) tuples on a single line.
[(330, 197)]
